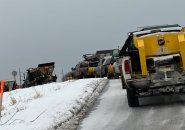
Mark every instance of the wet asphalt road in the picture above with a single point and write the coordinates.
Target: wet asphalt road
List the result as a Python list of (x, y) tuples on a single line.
[(111, 112)]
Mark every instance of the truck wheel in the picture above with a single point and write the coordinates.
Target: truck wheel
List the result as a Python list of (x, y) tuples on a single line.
[(82, 76), (123, 81), (108, 76), (95, 75), (132, 97)]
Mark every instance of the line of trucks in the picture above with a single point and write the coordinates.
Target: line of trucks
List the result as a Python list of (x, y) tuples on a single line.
[(152, 62), (101, 64)]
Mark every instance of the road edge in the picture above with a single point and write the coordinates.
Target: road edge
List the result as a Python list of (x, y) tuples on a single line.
[(73, 122)]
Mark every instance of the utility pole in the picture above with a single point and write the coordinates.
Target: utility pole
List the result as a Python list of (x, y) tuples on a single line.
[(62, 75), (14, 74), (101, 68), (20, 77)]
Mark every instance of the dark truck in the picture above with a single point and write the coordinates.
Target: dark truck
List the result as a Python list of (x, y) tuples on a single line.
[(10, 85), (41, 75)]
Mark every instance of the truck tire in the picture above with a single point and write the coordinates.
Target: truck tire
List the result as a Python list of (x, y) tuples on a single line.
[(123, 83), (132, 98), (108, 76)]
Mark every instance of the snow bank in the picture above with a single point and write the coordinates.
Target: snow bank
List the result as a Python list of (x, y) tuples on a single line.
[(49, 106)]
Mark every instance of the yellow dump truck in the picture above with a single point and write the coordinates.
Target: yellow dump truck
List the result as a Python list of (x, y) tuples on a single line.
[(153, 62)]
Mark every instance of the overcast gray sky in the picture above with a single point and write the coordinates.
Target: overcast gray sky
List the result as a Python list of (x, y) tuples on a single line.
[(39, 31)]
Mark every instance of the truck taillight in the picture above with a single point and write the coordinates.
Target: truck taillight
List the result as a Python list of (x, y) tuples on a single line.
[(127, 67)]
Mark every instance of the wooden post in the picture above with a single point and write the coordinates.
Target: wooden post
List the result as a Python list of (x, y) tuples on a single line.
[(1, 96)]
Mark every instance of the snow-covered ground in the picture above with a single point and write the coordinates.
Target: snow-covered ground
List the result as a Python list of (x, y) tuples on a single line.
[(48, 106)]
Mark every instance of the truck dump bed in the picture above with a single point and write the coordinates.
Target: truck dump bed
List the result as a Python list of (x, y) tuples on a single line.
[(40, 75)]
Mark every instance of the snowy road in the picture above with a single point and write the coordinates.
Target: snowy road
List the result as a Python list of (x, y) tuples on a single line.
[(111, 112)]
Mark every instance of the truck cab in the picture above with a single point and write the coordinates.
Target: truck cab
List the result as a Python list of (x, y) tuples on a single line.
[(153, 62)]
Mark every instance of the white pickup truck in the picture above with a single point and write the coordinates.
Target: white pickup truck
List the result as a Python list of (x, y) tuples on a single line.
[(153, 62)]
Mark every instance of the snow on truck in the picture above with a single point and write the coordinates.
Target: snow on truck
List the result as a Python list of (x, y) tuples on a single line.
[(153, 62)]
